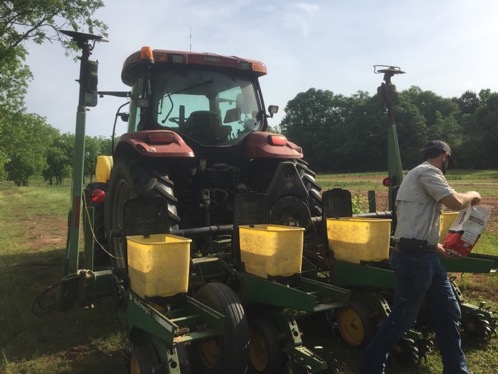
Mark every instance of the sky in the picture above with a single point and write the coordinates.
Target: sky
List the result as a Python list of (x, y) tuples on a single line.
[(444, 46)]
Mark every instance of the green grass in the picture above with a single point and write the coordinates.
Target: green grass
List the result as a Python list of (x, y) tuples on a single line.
[(79, 341), (90, 341)]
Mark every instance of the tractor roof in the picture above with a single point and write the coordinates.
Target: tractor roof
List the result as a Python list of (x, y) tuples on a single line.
[(135, 61)]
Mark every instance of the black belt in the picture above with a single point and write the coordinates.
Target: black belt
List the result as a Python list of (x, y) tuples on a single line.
[(414, 246)]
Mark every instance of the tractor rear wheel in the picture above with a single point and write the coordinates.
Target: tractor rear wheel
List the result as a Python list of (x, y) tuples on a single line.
[(308, 178), (297, 210), (229, 352), (132, 177)]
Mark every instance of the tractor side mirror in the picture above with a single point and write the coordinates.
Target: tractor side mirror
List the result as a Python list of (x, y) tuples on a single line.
[(232, 115), (273, 109)]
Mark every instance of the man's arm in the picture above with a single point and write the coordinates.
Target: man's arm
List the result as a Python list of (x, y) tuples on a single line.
[(459, 200)]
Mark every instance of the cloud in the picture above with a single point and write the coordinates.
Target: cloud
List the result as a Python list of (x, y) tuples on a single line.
[(306, 7), (296, 16)]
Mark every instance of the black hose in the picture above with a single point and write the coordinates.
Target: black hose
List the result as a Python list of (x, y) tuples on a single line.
[(39, 308)]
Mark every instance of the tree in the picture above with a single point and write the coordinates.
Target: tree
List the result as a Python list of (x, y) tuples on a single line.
[(95, 146), (364, 137), (14, 78), (59, 159), (40, 20), (26, 143), (315, 120), (37, 21), (432, 107), (340, 133), (426, 116), (484, 149), (468, 102)]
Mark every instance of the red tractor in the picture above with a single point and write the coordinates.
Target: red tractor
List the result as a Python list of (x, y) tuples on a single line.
[(198, 137)]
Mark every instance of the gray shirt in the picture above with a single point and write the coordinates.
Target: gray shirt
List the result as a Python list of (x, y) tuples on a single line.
[(417, 203)]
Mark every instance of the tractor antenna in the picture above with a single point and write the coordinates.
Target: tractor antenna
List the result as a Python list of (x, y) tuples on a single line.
[(190, 38)]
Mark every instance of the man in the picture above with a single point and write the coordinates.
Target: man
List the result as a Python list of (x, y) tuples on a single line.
[(418, 272)]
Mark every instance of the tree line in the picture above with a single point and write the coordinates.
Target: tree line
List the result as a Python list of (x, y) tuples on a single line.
[(343, 134), (28, 145), (337, 134)]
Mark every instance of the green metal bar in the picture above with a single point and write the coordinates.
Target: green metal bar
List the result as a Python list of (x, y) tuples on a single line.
[(351, 274), (72, 253), (169, 330), (293, 347), (306, 295), (173, 361), (372, 205), (376, 302), (144, 317), (395, 170), (259, 290), (387, 93), (469, 264), (329, 296)]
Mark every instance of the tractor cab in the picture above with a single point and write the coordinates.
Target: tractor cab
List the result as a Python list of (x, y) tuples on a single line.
[(208, 99)]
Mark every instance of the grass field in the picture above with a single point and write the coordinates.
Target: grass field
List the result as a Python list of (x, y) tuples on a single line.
[(32, 241)]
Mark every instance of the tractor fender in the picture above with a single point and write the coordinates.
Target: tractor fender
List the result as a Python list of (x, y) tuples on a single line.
[(154, 143), (260, 145), (286, 182)]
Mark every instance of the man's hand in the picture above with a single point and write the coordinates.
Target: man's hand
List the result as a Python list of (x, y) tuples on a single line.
[(476, 200), (447, 253)]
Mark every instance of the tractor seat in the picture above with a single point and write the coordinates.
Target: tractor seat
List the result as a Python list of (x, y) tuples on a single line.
[(206, 127)]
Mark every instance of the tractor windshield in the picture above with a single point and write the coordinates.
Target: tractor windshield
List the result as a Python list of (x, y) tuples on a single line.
[(210, 107)]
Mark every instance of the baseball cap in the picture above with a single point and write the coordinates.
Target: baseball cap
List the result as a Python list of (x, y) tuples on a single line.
[(439, 144)]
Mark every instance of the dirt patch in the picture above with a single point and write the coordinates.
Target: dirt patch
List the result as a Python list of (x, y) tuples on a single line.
[(45, 232), (492, 226)]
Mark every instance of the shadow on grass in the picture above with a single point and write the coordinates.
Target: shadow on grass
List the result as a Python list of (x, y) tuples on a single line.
[(77, 341)]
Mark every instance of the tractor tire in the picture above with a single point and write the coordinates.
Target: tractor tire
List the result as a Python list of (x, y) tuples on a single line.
[(314, 190), (265, 352), (297, 210), (227, 353), (132, 177)]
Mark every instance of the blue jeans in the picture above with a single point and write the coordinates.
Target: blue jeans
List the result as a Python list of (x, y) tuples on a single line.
[(418, 276)]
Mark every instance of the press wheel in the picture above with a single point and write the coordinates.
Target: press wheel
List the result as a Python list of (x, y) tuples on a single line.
[(265, 352), (355, 323)]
